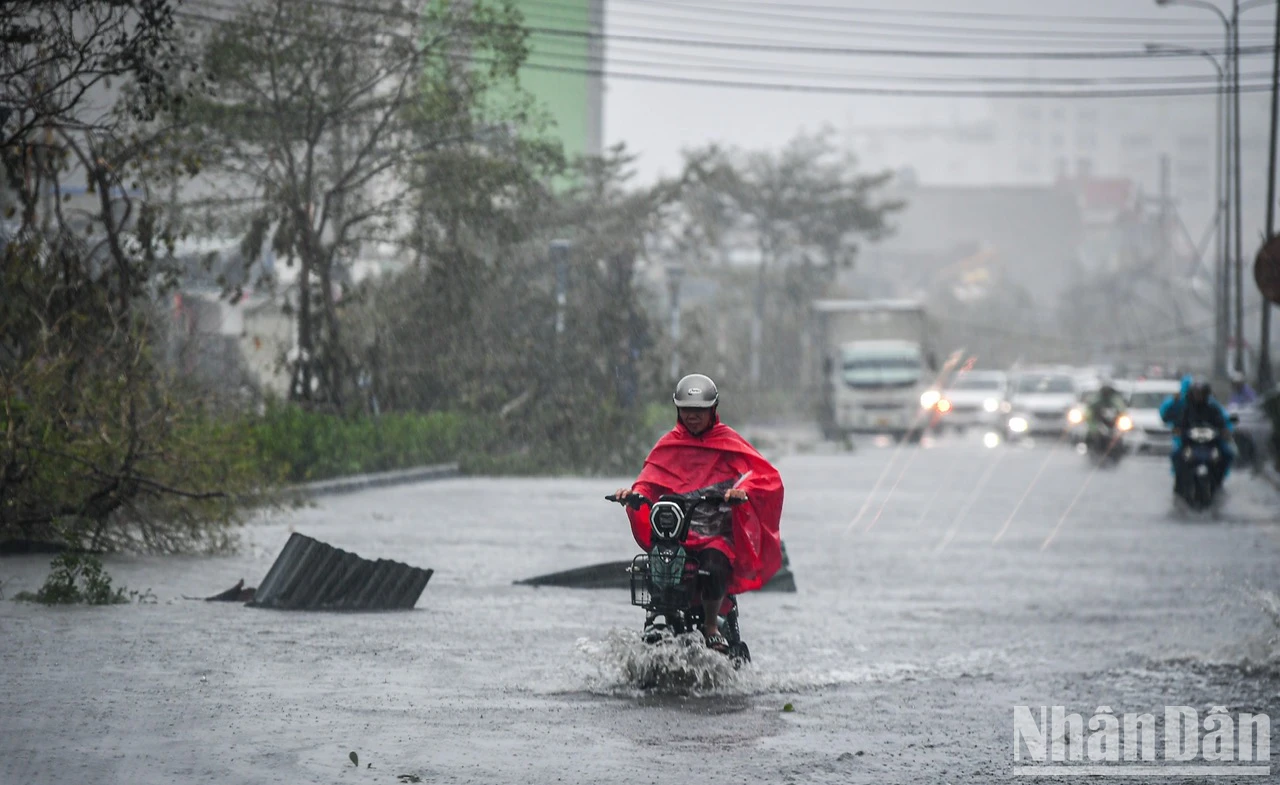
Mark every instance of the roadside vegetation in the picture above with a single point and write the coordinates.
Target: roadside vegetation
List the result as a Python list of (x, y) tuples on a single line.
[(78, 579), (519, 326)]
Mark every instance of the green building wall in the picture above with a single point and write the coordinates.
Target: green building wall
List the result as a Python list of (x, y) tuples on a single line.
[(572, 97)]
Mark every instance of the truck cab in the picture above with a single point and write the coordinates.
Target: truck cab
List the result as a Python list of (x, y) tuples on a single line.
[(877, 362)]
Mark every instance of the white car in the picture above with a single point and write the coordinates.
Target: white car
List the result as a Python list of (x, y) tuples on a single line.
[(975, 398), (1145, 397), (1039, 402)]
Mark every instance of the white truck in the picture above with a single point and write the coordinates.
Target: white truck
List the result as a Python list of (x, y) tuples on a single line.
[(877, 361)]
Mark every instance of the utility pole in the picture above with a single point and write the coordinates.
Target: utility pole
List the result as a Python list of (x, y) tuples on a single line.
[(1239, 228), (560, 263), (1162, 217), (1222, 269), (1265, 379), (674, 275)]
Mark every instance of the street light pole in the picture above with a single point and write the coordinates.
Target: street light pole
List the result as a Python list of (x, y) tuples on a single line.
[(1265, 379), (675, 273), (1232, 154), (1239, 228), (1222, 269)]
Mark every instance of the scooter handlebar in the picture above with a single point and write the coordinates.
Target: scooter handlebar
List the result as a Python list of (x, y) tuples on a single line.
[(632, 500), (635, 500)]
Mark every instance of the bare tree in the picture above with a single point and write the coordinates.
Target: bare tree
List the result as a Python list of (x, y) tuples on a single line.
[(805, 208), (321, 113)]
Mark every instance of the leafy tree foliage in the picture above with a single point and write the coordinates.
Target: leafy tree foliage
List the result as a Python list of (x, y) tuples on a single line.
[(98, 442), (335, 127), (479, 327), (804, 209)]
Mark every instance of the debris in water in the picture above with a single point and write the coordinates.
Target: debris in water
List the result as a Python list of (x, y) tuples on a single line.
[(312, 575), (237, 593), (617, 575)]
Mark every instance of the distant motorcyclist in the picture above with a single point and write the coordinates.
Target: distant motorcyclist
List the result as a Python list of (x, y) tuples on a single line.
[(1171, 408), (1171, 415), (1241, 393), (1199, 409), (1106, 405), (741, 552)]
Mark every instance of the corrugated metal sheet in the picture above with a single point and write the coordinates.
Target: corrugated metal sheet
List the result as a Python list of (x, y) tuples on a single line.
[(311, 575), (614, 575)]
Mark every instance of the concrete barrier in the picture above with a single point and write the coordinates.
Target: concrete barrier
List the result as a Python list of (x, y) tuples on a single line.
[(360, 482)]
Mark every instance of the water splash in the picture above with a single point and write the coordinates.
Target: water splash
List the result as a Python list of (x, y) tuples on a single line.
[(676, 665), (1269, 602), (623, 665)]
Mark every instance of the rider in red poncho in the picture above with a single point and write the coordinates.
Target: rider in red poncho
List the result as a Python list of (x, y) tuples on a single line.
[(744, 552)]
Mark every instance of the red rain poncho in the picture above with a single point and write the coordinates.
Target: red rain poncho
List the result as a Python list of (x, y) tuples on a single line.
[(681, 462)]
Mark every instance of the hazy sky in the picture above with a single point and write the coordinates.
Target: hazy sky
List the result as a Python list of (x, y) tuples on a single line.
[(657, 120)]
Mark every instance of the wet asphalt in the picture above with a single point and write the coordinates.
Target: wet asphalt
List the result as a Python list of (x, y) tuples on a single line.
[(938, 587)]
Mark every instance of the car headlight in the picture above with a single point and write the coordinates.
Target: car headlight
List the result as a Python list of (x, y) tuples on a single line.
[(1006, 407), (1075, 416), (930, 399), (944, 406), (990, 405), (1124, 423), (1018, 424)]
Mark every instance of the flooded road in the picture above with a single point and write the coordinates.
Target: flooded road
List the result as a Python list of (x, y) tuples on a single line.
[(938, 588)]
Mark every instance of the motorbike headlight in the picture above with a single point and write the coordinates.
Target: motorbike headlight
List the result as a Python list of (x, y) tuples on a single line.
[(930, 399), (1124, 423), (1006, 407), (991, 440), (666, 519), (1018, 424), (1075, 416), (944, 406), (990, 405)]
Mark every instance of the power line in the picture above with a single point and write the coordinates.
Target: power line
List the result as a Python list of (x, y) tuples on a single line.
[(731, 18), (801, 88), (1160, 21), (762, 45), (687, 62), (694, 60), (890, 92), (948, 54)]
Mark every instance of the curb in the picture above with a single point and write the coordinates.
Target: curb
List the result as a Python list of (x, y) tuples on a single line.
[(360, 482)]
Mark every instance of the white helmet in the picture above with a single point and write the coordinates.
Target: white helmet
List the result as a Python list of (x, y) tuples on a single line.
[(696, 391)]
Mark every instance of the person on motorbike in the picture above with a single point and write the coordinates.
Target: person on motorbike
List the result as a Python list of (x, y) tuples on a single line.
[(740, 550), (1107, 400), (1199, 409), (1171, 415), (1241, 393)]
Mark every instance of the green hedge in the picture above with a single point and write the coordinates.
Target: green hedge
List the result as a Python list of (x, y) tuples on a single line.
[(314, 446), (297, 445)]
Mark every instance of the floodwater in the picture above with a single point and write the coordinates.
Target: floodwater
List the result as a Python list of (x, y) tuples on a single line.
[(938, 588)]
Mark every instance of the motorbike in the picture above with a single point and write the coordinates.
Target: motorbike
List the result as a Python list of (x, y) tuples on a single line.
[(665, 581), (1105, 443), (1201, 468)]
